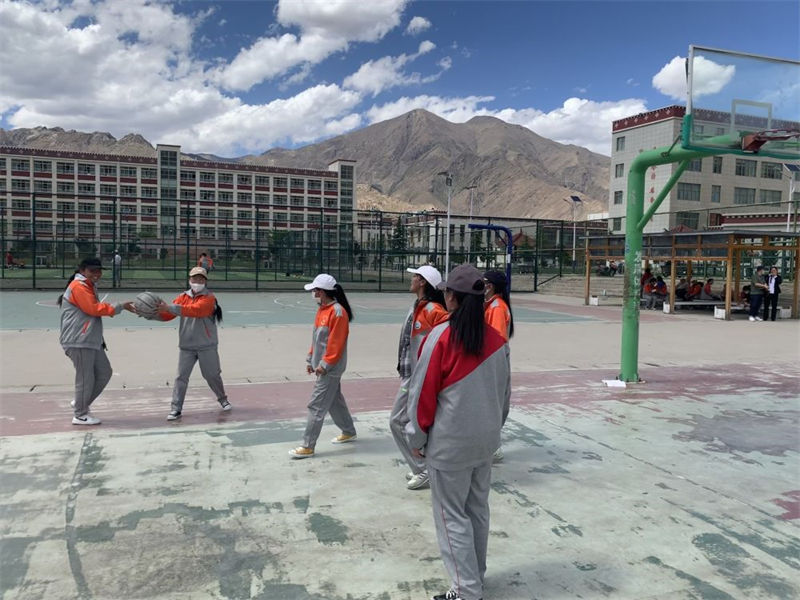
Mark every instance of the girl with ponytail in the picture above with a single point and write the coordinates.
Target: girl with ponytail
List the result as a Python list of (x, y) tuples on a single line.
[(327, 359)]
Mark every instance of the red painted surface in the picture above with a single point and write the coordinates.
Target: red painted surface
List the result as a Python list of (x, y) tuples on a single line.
[(791, 506)]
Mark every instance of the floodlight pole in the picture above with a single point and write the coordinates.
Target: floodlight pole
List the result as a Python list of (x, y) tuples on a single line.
[(790, 173), (448, 181), (635, 221)]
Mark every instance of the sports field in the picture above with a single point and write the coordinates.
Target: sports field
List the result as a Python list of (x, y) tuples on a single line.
[(683, 487)]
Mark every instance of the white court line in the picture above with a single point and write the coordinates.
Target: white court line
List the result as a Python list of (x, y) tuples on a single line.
[(247, 312), (47, 303)]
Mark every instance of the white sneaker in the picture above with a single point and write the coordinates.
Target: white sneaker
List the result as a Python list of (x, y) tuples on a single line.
[(419, 481), (759, 319), (409, 475), (752, 318), (86, 420), (72, 403), (498, 455)]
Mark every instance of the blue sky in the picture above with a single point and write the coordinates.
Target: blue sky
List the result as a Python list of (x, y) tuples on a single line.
[(238, 77)]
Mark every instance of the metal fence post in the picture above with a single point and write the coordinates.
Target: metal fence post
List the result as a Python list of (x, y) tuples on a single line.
[(33, 240)]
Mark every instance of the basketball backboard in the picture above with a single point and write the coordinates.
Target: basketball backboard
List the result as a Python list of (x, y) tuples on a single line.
[(742, 104)]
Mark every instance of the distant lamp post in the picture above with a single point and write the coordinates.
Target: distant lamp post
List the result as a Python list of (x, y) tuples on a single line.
[(792, 170), (448, 181), (471, 189), (574, 201)]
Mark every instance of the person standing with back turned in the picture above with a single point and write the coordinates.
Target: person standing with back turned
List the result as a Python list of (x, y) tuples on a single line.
[(772, 290), (327, 359), (426, 312), (458, 401), (757, 288), (82, 336)]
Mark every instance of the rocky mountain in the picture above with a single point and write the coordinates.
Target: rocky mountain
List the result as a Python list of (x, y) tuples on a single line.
[(515, 171)]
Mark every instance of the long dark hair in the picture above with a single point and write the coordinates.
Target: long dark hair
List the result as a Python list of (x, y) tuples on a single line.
[(502, 291), (217, 310), (431, 294), (467, 324), (337, 293), (71, 278)]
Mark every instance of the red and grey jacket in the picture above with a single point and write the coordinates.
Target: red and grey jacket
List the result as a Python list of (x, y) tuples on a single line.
[(423, 316), (81, 312), (198, 328), (329, 339), (458, 402)]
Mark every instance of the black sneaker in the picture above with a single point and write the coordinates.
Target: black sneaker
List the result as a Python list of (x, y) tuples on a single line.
[(448, 595), (175, 414), (226, 406)]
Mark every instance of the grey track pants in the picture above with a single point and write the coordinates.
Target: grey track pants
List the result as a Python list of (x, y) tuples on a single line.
[(327, 397), (92, 374), (397, 423), (209, 368), (460, 501)]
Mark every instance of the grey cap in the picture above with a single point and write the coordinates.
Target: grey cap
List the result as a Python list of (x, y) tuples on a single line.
[(465, 279)]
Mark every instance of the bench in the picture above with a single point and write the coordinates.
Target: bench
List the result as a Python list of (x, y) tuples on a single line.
[(711, 303)]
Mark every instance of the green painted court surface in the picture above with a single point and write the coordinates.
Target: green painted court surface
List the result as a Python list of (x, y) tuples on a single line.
[(37, 310)]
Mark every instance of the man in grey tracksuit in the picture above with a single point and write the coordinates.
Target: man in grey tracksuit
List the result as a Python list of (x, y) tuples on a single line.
[(457, 405)]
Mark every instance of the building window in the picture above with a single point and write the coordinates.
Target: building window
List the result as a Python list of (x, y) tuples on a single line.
[(86, 188), (86, 228), (208, 233), (225, 213), (619, 170), (43, 205), (244, 214), (331, 186), (244, 180), (262, 180), (242, 234), (744, 195), (188, 194), (106, 208), (148, 173), (65, 168), (108, 190), (769, 196), (621, 143), (618, 197), (616, 224), (746, 168), (314, 185), (226, 196), (208, 195), (43, 186), (129, 191), (716, 192), (18, 164), (21, 227), (207, 177), (314, 202), (298, 184), (279, 217), (716, 166), (226, 178), (169, 158), (279, 182), (128, 209), (66, 206), (65, 187), (169, 211), (695, 165), (42, 166), (86, 207), (771, 170), (244, 197), (127, 172), (20, 185), (108, 170), (689, 219), (188, 175), (297, 201), (149, 192), (262, 198), (689, 191), (20, 203), (106, 229), (207, 213), (279, 200)]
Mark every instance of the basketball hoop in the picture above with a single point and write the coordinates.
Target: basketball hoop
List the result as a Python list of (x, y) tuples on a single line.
[(753, 142)]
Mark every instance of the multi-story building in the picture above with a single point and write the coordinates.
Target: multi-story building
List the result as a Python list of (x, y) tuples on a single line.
[(710, 189), (97, 196)]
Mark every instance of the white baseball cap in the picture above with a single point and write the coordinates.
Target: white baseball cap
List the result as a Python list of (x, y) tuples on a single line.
[(428, 273), (323, 281)]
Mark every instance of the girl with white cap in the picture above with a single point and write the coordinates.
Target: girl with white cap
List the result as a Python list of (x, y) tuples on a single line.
[(327, 359), (197, 339), (426, 312)]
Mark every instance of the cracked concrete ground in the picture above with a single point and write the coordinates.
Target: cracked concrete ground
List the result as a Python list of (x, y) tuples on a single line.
[(684, 487)]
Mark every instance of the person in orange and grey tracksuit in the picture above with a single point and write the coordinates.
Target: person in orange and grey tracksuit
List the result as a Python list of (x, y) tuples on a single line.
[(197, 340), (497, 312), (427, 311), (327, 359), (458, 400), (82, 336)]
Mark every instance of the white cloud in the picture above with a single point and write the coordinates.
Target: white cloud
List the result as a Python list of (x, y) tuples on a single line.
[(708, 77), (375, 76), (578, 121), (325, 27), (417, 25)]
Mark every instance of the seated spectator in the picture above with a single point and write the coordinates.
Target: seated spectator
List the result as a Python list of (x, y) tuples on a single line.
[(744, 295), (646, 277), (612, 268), (661, 288), (681, 289), (694, 291), (649, 294), (706, 293)]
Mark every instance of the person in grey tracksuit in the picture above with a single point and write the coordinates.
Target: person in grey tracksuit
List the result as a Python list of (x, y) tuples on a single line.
[(425, 313), (458, 401), (82, 336), (197, 339)]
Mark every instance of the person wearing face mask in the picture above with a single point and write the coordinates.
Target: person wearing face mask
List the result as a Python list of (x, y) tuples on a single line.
[(82, 336), (497, 314), (327, 359), (425, 313), (197, 339)]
